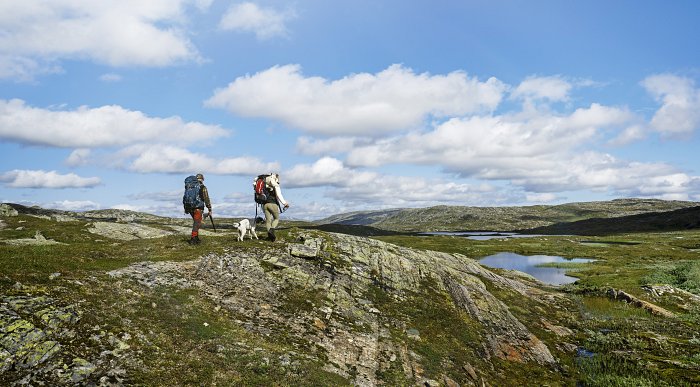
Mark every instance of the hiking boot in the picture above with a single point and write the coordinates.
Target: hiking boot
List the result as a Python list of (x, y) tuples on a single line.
[(271, 235), (194, 240)]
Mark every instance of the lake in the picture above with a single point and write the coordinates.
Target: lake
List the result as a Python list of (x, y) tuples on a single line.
[(530, 265)]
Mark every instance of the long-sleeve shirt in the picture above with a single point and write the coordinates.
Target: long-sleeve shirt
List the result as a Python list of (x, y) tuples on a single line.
[(204, 194), (273, 184)]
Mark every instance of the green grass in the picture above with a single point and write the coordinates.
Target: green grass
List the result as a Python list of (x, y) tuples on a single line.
[(177, 335), (636, 348)]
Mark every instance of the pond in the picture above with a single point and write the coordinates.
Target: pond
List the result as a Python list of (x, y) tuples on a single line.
[(532, 265)]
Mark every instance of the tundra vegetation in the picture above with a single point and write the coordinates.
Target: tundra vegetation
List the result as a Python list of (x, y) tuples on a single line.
[(119, 298)]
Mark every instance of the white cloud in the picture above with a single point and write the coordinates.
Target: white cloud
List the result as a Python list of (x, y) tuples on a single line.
[(78, 157), (317, 147), (327, 171), (679, 113), (110, 77), (170, 159), (264, 22), (552, 88), (37, 34), (73, 205), (362, 187), (163, 196), (629, 135), (537, 152), (604, 173), (87, 127), (358, 104), (46, 179), (490, 146), (23, 69), (545, 197)]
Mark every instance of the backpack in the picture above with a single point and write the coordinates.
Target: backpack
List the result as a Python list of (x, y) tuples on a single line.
[(261, 191), (191, 198)]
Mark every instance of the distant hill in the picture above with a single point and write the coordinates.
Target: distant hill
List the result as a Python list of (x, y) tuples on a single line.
[(684, 218), (460, 218), (359, 218)]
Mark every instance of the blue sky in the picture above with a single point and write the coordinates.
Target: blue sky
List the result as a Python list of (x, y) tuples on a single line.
[(359, 105)]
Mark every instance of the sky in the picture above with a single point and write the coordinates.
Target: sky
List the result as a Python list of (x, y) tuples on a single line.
[(359, 105)]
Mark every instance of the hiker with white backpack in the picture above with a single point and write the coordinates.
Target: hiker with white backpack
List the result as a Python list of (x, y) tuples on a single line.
[(268, 194)]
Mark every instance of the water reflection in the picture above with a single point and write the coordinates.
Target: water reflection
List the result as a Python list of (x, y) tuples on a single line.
[(530, 265)]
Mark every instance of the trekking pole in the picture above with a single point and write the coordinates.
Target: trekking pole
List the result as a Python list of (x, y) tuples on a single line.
[(211, 219)]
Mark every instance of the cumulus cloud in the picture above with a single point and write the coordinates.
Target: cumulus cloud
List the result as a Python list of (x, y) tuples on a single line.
[(78, 157), (37, 34), (162, 196), (359, 104), (679, 113), (73, 205), (87, 127), (320, 147), (327, 171), (630, 134), (46, 179), (170, 159), (264, 22), (362, 187), (491, 145), (552, 88), (538, 153), (545, 197)]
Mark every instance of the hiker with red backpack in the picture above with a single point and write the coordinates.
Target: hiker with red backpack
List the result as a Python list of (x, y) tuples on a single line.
[(268, 194), (194, 200)]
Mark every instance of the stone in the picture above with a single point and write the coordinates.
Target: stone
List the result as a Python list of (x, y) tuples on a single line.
[(303, 251), (7, 211), (470, 371), (128, 231), (82, 369), (413, 334), (39, 354), (449, 382), (286, 288)]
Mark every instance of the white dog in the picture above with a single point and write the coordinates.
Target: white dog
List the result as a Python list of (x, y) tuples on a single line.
[(243, 227)]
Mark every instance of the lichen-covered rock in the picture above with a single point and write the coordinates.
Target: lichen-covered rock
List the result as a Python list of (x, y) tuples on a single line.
[(507, 337), (332, 292), (127, 232), (39, 239), (7, 210), (37, 342)]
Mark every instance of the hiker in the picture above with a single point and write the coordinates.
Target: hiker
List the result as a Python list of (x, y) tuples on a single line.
[(195, 198), (271, 201)]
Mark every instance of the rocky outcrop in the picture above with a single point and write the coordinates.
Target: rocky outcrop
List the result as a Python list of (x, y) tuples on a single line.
[(340, 294), (7, 210), (36, 334), (621, 295), (132, 231), (506, 337), (126, 232), (39, 239)]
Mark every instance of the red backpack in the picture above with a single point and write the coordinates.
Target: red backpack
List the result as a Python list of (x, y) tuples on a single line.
[(261, 191)]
